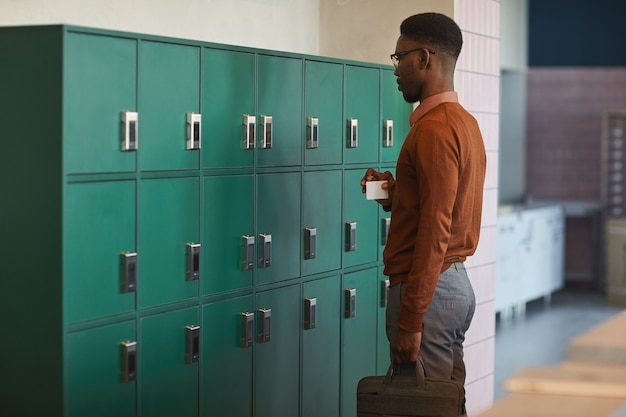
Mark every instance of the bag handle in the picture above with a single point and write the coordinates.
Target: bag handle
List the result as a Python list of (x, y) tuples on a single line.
[(420, 373)]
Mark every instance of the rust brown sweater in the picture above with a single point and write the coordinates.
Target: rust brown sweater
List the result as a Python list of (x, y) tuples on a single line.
[(437, 201)]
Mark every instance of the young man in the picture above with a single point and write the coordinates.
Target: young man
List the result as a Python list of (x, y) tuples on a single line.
[(435, 202)]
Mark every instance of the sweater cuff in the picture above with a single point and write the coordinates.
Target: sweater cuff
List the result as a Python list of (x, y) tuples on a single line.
[(411, 322)]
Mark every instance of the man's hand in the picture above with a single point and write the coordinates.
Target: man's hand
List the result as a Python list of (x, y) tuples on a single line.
[(373, 175), (406, 346)]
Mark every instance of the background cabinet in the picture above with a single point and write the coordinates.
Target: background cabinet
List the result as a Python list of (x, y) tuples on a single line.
[(100, 231)]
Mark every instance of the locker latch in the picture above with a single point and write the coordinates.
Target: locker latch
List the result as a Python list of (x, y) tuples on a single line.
[(192, 261), (387, 133), (266, 250), (353, 133), (247, 252), (249, 131), (130, 131), (350, 236), (194, 131), (266, 132), (247, 329), (193, 344), (265, 323), (312, 132), (310, 313), (128, 371), (350, 303), (310, 243), (128, 272)]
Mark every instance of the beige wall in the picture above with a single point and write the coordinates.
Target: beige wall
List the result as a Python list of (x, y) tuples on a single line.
[(367, 30)]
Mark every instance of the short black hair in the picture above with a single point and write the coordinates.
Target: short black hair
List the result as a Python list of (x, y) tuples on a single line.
[(437, 29)]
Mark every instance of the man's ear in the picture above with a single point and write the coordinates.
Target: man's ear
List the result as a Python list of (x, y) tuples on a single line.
[(424, 59)]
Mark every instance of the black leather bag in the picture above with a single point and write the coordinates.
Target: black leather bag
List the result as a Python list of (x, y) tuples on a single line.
[(409, 396)]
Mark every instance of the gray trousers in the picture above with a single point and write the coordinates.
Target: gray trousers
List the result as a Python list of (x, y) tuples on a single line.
[(445, 323)]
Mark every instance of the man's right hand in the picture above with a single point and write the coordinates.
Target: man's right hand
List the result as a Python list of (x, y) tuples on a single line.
[(373, 175)]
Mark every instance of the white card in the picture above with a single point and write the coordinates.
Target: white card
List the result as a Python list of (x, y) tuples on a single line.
[(374, 191)]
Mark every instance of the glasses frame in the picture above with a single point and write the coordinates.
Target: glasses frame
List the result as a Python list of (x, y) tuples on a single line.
[(395, 58)]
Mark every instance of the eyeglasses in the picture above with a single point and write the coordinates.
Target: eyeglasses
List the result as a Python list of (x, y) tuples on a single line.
[(395, 58)]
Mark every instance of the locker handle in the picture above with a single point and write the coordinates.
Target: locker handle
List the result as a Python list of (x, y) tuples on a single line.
[(193, 344), (386, 223), (265, 325), (266, 132), (249, 131), (266, 250), (128, 370), (310, 243), (387, 133), (312, 132), (247, 252), (128, 271), (310, 313), (247, 329), (130, 131), (384, 292), (353, 133), (350, 236), (194, 131), (192, 261), (350, 303)]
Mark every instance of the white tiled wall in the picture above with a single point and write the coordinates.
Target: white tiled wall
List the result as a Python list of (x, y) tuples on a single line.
[(478, 83)]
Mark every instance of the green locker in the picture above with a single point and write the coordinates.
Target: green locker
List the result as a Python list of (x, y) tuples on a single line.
[(321, 344), (278, 239), (396, 113), (361, 104), (279, 95), (167, 229), (321, 221), (168, 375), (99, 83), (94, 368), (277, 353), (228, 90), (226, 366), (223, 229), (360, 333), (323, 98), (361, 223), (169, 88), (99, 221)]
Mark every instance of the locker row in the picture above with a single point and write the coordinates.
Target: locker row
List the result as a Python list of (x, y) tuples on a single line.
[(297, 350), (139, 244), (188, 106)]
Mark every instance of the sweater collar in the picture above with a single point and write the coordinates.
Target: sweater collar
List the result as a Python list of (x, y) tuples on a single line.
[(430, 103)]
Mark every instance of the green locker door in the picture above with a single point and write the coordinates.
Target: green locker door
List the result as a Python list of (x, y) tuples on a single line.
[(226, 366), (99, 221), (279, 87), (363, 212), (321, 346), (362, 103), (397, 110), (321, 195), (360, 334), (168, 384), (224, 226), (100, 82), (168, 222), (278, 201), (169, 88), (227, 94), (93, 365), (277, 360), (323, 97)]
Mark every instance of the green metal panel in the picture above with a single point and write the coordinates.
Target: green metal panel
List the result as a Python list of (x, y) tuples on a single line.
[(168, 386), (99, 221), (93, 368), (359, 336), (279, 87), (321, 350), (321, 194), (100, 82), (278, 200), (169, 88), (365, 213), (393, 108), (226, 366), (227, 94), (223, 226), (323, 99), (168, 220), (362, 103), (277, 362)]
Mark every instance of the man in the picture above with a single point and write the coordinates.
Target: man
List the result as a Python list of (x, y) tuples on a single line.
[(435, 203)]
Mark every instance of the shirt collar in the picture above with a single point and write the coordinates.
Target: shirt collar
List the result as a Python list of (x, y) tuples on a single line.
[(430, 103)]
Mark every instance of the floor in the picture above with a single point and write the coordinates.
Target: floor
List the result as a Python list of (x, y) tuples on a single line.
[(540, 337)]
